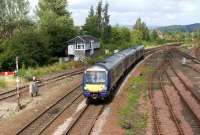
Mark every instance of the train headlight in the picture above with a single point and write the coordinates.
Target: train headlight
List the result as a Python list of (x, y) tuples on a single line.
[(85, 88), (105, 88)]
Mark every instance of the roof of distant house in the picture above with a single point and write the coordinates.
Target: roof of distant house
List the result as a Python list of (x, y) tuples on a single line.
[(84, 38)]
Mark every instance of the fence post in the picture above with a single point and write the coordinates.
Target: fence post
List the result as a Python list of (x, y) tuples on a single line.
[(17, 82)]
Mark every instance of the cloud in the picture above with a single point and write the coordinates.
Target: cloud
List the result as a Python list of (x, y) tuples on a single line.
[(154, 12)]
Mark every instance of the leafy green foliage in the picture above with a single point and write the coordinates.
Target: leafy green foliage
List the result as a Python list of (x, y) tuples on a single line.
[(41, 42), (154, 35), (56, 23), (45, 70), (120, 35), (141, 30), (90, 27), (13, 16), (29, 46), (197, 34), (58, 7), (97, 23), (107, 29)]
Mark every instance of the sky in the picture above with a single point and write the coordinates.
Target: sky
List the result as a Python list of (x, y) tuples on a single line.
[(125, 12)]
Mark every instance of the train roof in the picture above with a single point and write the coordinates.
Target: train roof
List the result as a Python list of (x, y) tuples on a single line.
[(115, 59), (110, 62), (139, 47), (128, 51)]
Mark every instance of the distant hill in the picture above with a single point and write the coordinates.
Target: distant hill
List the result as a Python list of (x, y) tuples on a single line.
[(131, 27), (180, 28)]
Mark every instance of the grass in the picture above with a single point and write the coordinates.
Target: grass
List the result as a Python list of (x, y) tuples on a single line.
[(133, 121), (42, 71), (2, 83), (150, 44)]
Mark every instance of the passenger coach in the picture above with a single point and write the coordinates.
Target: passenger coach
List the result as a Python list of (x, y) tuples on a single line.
[(100, 80)]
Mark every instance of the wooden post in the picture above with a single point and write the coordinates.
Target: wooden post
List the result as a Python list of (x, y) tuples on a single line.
[(17, 82)]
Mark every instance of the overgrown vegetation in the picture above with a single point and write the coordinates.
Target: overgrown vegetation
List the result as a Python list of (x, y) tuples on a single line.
[(42, 71), (2, 83), (42, 41), (132, 118), (37, 43)]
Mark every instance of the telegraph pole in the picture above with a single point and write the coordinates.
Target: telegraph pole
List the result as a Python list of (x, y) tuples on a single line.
[(17, 81)]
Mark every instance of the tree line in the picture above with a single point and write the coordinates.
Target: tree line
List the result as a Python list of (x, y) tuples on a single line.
[(42, 40)]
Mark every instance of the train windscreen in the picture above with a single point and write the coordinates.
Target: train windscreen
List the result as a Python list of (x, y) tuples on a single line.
[(94, 77)]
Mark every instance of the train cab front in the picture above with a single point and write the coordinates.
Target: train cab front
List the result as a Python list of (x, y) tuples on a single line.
[(95, 83)]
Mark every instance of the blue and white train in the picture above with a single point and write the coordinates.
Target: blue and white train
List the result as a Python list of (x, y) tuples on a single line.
[(100, 80)]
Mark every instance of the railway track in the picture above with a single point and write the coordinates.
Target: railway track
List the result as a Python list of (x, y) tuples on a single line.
[(197, 53), (158, 78), (195, 60), (12, 93), (153, 50), (85, 120), (159, 72), (154, 111), (190, 65), (170, 107), (150, 51), (178, 74), (39, 124), (193, 67), (192, 104)]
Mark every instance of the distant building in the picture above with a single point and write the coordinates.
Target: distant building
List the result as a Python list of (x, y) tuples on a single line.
[(160, 34), (82, 46)]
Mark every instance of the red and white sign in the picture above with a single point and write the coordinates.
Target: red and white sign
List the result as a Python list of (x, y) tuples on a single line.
[(7, 73)]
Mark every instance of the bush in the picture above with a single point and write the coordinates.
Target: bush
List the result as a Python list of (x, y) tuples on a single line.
[(29, 46), (120, 35), (41, 71)]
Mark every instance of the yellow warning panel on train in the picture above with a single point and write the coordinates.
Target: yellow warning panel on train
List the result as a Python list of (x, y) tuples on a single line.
[(94, 87)]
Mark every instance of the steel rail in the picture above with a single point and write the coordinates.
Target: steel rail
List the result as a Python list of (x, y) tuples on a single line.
[(12, 93), (167, 100), (185, 85), (197, 53), (197, 61), (154, 113), (81, 115), (46, 111)]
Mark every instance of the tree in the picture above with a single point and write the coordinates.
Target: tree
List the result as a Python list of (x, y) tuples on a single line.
[(58, 7), (13, 15), (97, 23), (29, 45), (140, 27), (56, 23), (120, 35), (138, 24), (22, 9), (154, 35), (145, 32), (91, 13), (99, 18), (197, 34), (90, 27), (106, 26)]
